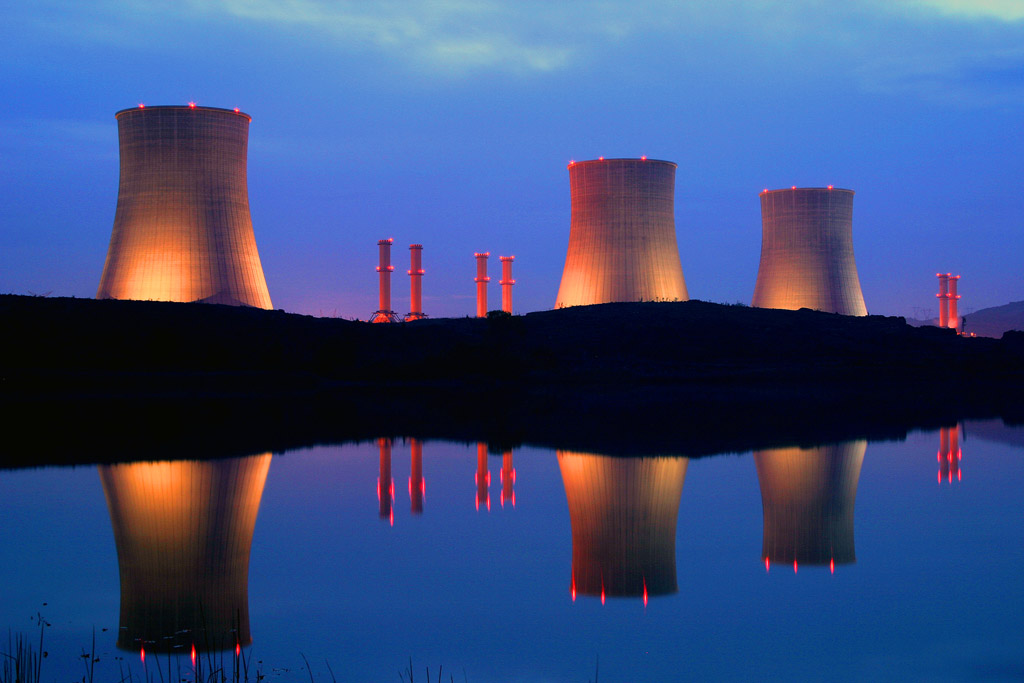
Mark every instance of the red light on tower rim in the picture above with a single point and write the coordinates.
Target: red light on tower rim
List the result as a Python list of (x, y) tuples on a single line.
[(191, 105), (237, 110), (141, 105), (643, 158)]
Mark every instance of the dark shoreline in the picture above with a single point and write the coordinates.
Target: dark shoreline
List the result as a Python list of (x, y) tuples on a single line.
[(121, 380)]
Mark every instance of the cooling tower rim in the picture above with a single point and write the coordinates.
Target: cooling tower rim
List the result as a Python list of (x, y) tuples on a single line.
[(184, 107), (638, 160), (805, 189)]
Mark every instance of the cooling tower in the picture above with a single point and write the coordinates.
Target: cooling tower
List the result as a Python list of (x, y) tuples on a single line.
[(182, 230), (183, 532), (623, 513), (622, 235), (808, 496), (807, 251)]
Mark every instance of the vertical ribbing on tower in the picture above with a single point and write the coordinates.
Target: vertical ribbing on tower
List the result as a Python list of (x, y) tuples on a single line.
[(943, 299), (384, 314), (954, 313)]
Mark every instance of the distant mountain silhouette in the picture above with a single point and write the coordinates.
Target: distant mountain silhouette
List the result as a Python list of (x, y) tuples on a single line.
[(992, 322)]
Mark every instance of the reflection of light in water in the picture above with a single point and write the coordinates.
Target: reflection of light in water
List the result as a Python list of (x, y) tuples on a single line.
[(417, 486), (483, 477), (808, 498), (385, 484), (623, 513), (508, 479), (183, 532), (949, 455)]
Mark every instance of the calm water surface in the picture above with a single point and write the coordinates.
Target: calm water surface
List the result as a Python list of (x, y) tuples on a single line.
[(846, 562)]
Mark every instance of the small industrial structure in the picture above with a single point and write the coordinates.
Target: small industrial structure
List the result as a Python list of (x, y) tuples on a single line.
[(384, 314), (622, 234), (415, 283), (481, 281), (807, 251), (183, 531), (506, 283), (182, 229), (808, 497), (623, 513), (949, 314)]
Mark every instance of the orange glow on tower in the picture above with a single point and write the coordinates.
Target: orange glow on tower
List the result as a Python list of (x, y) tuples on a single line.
[(182, 228), (943, 299), (417, 486), (808, 497), (483, 477), (415, 283), (954, 303), (623, 513), (622, 234), (807, 252), (506, 283), (183, 531), (384, 314), (481, 281)]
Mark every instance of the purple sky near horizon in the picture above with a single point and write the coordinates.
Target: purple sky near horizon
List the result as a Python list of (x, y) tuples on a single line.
[(450, 123)]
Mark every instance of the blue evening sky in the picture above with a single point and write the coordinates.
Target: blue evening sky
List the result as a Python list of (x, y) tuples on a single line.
[(450, 123)]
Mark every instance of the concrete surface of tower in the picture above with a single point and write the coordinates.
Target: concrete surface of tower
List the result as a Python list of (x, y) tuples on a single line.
[(807, 251), (622, 234), (182, 229)]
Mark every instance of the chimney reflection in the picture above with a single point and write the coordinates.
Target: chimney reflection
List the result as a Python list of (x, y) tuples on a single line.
[(508, 479), (385, 484), (417, 486), (808, 498), (483, 477), (949, 454), (183, 532), (623, 513)]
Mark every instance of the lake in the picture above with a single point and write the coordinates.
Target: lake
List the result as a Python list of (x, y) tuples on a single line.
[(853, 561)]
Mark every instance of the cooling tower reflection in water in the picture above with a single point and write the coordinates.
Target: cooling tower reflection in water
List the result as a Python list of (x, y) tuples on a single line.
[(623, 513), (183, 532), (808, 498)]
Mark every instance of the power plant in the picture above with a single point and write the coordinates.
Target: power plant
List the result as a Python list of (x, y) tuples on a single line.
[(622, 234), (949, 301), (182, 229), (183, 532), (807, 251), (481, 281), (808, 496), (415, 283), (384, 314), (506, 282), (623, 513)]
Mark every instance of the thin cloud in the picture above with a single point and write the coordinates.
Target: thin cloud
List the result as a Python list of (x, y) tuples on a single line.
[(1002, 10)]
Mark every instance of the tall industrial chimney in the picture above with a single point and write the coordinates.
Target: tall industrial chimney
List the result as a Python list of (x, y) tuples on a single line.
[(954, 305), (807, 251), (622, 234), (508, 478), (384, 314), (385, 484), (415, 283), (417, 485), (481, 281), (483, 476), (943, 299), (182, 228), (506, 283)]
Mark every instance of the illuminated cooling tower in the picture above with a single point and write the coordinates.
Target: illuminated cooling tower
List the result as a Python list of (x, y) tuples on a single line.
[(183, 531), (807, 251), (623, 513), (622, 235), (182, 230), (808, 496)]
